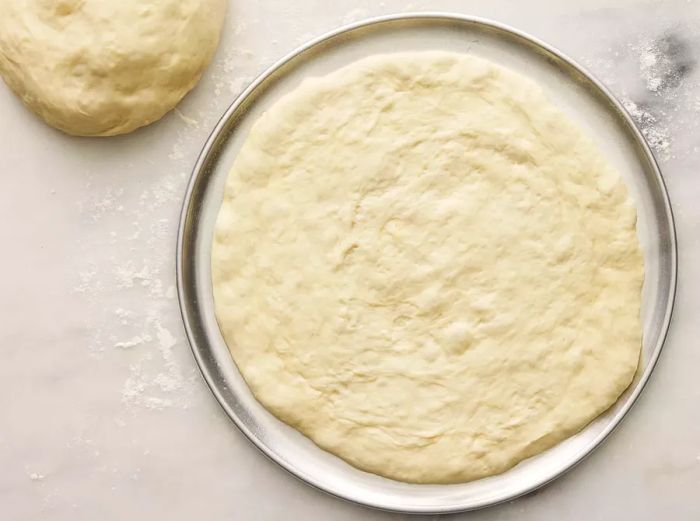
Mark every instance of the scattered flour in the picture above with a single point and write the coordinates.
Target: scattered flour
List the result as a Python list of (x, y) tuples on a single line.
[(416, 6), (187, 120), (176, 153), (127, 279), (167, 383), (648, 62), (128, 275), (123, 315), (305, 38), (169, 386), (355, 16), (240, 27), (132, 342), (663, 62), (239, 85), (650, 77), (655, 134), (237, 70), (88, 283), (97, 205)]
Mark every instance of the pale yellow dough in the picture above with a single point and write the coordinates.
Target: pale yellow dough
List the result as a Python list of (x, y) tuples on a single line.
[(422, 265), (106, 67)]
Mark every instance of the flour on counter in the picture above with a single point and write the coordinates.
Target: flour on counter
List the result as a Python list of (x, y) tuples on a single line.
[(97, 205), (169, 386), (656, 135), (128, 281), (651, 78), (239, 68), (663, 62), (649, 64), (415, 6), (176, 154), (128, 275), (132, 342), (354, 16), (238, 86), (88, 281), (123, 315), (186, 119), (240, 27)]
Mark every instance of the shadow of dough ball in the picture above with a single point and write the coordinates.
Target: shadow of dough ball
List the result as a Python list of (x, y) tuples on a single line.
[(106, 67)]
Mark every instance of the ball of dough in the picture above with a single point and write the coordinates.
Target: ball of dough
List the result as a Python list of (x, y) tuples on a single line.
[(106, 67), (422, 265)]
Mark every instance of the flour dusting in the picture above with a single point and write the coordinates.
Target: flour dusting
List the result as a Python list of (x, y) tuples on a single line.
[(650, 76), (186, 119), (96, 205), (128, 280), (663, 62), (157, 380), (656, 135), (354, 16), (132, 342)]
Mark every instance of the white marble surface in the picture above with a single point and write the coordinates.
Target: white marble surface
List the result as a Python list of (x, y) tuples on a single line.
[(103, 414)]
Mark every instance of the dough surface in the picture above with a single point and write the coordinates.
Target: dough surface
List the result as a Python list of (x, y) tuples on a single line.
[(106, 67), (422, 265)]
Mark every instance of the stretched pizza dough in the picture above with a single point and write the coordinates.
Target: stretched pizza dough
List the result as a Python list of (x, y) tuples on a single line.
[(422, 265), (106, 67)]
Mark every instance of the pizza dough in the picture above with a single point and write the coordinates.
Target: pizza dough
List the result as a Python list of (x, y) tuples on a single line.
[(106, 67), (422, 265)]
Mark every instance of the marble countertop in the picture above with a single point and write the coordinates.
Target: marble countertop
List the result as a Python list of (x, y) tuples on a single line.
[(103, 413)]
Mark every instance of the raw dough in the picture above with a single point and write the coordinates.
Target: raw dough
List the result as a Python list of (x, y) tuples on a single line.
[(424, 267), (105, 67)]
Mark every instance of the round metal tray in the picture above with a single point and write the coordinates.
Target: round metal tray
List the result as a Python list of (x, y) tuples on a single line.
[(573, 90)]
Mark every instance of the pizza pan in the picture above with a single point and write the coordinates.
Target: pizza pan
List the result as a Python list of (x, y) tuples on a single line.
[(570, 87)]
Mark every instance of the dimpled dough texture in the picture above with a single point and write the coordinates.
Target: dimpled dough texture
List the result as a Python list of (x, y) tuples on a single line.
[(106, 67), (424, 267)]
